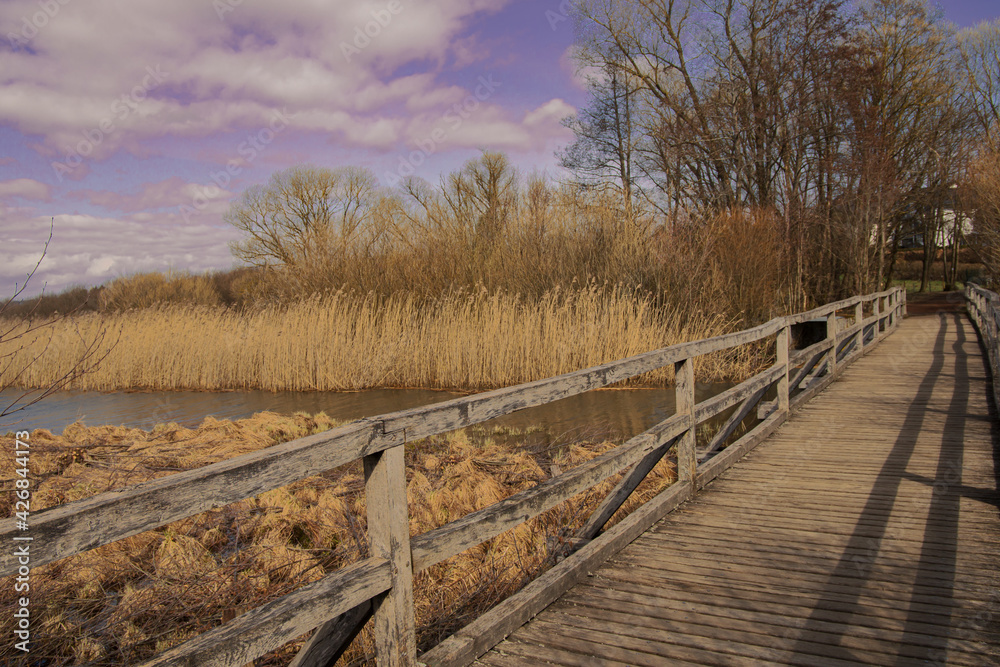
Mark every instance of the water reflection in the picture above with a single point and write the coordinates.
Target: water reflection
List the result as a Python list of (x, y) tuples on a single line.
[(621, 412)]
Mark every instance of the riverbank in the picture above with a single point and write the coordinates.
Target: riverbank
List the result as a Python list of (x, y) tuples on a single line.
[(121, 603), (345, 341)]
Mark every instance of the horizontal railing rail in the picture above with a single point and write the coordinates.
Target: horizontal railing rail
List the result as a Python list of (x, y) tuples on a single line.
[(381, 586)]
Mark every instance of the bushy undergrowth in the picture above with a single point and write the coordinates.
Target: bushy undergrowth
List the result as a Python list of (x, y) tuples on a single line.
[(72, 300), (729, 263)]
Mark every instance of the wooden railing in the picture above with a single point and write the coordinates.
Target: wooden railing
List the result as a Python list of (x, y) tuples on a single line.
[(984, 310), (381, 586)]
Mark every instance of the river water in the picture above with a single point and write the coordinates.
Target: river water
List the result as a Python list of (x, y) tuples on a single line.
[(618, 412)]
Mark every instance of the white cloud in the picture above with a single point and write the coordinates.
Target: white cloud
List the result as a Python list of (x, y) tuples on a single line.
[(488, 125), (170, 193), (468, 50), (25, 188), (549, 114), (579, 74), (96, 249), (71, 79)]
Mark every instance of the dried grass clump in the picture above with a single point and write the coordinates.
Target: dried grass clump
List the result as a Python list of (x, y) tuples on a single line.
[(124, 602)]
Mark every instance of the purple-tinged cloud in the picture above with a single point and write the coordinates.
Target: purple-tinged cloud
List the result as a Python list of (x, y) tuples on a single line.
[(25, 188)]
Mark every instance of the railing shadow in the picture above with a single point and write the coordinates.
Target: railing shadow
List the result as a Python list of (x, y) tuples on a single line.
[(932, 594), (938, 553)]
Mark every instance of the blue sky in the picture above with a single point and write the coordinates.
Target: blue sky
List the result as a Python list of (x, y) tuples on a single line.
[(133, 124)]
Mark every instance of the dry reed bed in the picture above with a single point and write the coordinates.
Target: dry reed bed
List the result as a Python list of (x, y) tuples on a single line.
[(346, 341), (123, 602)]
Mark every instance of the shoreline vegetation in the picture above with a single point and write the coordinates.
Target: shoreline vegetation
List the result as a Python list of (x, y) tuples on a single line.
[(129, 600), (489, 281), (468, 341)]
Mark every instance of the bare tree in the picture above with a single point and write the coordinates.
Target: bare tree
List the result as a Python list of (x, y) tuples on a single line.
[(980, 56), (483, 198), (607, 136), (306, 220), (836, 117), (19, 349), (983, 195), (980, 53)]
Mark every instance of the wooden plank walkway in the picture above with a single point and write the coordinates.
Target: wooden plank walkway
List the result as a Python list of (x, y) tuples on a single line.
[(865, 531)]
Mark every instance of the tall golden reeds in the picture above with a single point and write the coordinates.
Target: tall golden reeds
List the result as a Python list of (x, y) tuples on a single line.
[(346, 341)]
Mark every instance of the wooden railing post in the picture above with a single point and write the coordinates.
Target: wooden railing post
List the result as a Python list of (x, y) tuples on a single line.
[(831, 335), (877, 311), (781, 355), (988, 315), (859, 317), (389, 538), (687, 458)]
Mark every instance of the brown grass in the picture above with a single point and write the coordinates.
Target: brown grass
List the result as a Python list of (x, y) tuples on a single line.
[(345, 342), (123, 602)]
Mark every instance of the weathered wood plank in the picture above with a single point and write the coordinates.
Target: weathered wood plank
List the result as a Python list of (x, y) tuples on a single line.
[(531, 655), (822, 312), (782, 342), (389, 538), (859, 315), (613, 502), (332, 638), (831, 335), (266, 628), (720, 462), (687, 456), (807, 369), (825, 310), (734, 395), (790, 613), (876, 314), (466, 411), (475, 528), (819, 348), (641, 600), (78, 526), (486, 631), (732, 423), (737, 637), (984, 310), (817, 385)]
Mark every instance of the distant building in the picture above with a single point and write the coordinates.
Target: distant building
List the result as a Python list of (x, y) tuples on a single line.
[(912, 233)]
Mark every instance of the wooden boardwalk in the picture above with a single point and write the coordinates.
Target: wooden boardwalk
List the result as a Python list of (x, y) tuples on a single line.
[(865, 531)]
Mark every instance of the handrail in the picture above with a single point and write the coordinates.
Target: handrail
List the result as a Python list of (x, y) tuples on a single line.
[(984, 311), (384, 582)]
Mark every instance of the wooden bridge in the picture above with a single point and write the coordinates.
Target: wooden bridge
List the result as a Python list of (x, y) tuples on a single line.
[(865, 531)]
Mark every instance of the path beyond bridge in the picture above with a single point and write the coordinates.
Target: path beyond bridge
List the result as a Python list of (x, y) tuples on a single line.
[(865, 531)]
